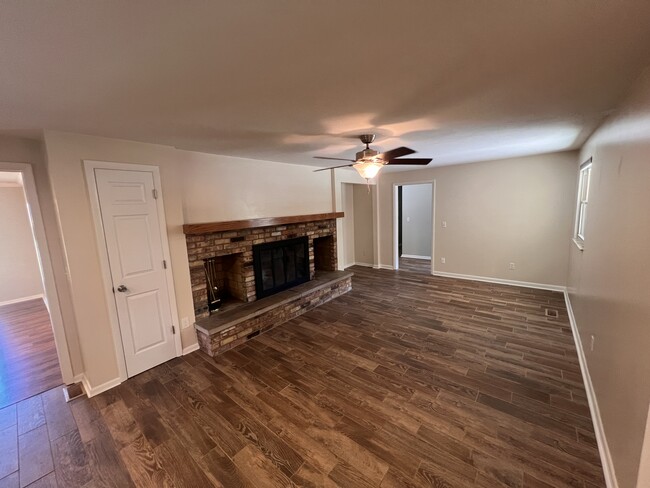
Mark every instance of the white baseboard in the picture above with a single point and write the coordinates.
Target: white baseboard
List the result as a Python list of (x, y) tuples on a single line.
[(374, 266), (192, 348), (603, 447), (91, 391), (23, 299), (525, 284), (415, 256)]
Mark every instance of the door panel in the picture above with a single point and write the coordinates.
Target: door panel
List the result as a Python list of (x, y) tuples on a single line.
[(134, 241), (135, 251), (144, 332)]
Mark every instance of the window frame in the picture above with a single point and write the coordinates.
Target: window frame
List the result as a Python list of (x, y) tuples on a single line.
[(582, 203)]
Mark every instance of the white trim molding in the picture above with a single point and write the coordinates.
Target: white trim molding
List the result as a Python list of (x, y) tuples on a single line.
[(603, 447), (415, 256), (190, 349), (51, 295), (91, 391), (395, 230), (23, 299), (89, 169), (500, 281)]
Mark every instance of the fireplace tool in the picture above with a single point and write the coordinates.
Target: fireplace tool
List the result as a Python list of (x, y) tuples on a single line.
[(214, 299)]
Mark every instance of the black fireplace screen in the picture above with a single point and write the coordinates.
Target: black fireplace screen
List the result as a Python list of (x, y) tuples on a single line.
[(280, 265)]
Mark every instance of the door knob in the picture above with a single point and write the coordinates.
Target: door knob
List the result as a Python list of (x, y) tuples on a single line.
[(122, 289)]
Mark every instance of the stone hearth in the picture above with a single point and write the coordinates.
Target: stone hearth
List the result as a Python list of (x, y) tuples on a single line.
[(230, 246), (222, 331)]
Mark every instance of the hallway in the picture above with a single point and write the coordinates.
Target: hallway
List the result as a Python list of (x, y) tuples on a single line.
[(28, 360)]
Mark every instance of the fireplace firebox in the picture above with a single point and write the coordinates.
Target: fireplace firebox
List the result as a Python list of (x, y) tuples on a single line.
[(280, 265)]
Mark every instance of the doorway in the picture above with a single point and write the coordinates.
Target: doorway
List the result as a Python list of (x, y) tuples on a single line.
[(131, 233), (414, 227), (29, 362), (359, 231)]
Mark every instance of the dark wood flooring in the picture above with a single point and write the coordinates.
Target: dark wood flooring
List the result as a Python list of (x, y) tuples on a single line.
[(407, 381), (420, 266), (28, 361)]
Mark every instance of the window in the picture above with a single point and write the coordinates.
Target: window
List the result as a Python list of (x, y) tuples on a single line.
[(583, 200)]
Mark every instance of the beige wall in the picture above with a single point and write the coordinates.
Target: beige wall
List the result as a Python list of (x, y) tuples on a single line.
[(19, 150), (347, 238), (363, 224), (515, 210), (195, 186), (609, 282), (343, 201), (21, 276)]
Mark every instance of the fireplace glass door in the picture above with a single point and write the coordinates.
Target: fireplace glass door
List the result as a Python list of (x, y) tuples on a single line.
[(280, 265)]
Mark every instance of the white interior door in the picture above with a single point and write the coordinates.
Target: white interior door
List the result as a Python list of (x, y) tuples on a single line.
[(135, 251)]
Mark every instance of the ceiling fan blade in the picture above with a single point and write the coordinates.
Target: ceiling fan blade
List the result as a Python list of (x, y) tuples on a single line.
[(420, 161), (334, 167), (335, 159), (395, 153)]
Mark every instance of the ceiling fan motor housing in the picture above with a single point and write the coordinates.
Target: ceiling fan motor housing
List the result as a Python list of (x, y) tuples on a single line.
[(366, 154)]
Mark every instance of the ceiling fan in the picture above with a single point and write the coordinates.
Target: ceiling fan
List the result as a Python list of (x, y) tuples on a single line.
[(368, 162)]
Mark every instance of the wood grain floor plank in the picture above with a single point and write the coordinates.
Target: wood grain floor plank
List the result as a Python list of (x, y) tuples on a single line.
[(28, 357), (34, 455), (10, 481), (9, 450), (409, 380), (71, 462), (30, 414)]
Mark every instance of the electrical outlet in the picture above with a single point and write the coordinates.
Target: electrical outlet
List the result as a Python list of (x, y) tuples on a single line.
[(443, 260), (593, 343), (185, 322), (512, 266), (444, 223)]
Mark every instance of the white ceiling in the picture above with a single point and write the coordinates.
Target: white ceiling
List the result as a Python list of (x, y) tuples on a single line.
[(459, 81)]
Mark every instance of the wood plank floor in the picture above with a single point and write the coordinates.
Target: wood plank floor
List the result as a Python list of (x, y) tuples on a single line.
[(28, 361), (421, 266), (407, 381)]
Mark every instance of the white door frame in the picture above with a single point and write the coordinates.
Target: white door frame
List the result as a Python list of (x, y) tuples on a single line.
[(396, 223), (89, 169), (45, 265)]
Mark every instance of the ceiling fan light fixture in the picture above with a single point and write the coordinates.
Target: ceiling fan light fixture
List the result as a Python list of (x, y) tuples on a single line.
[(368, 169)]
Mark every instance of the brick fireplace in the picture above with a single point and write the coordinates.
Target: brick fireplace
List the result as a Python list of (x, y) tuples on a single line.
[(222, 257)]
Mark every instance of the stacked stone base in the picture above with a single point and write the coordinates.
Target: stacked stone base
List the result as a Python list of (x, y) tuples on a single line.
[(215, 340)]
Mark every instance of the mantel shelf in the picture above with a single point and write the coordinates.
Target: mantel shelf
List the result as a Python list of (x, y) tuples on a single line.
[(209, 227)]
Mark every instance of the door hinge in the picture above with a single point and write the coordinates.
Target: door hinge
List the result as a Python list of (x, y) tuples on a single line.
[(173, 329), (155, 194), (164, 263)]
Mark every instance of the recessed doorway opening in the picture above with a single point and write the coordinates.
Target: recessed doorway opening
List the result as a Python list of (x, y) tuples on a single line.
[(29, 362), (413, 229)]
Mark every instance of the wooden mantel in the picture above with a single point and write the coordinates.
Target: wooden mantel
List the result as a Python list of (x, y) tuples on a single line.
[(208, 227)]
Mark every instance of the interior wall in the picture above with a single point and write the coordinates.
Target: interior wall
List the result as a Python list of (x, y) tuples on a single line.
[(417, 226), (341, 180), (196, 187), (21, 275), (610, 279), (348, 221), (363, 225), (497, 212), (20, 150)]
